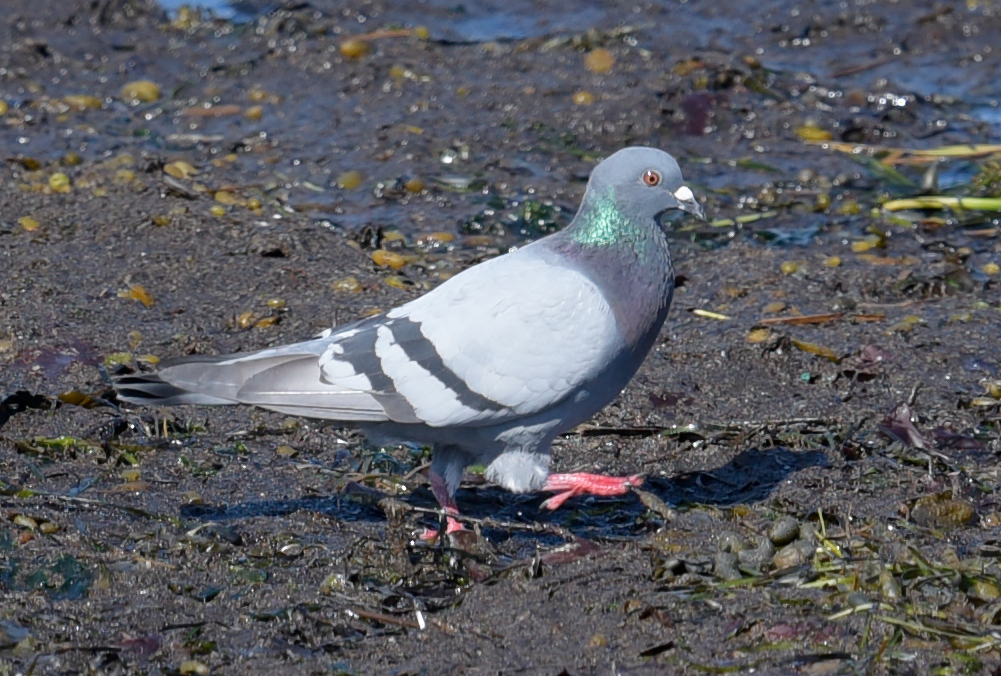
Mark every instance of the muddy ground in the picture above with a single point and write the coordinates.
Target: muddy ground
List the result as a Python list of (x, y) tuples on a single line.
[(819, 422)]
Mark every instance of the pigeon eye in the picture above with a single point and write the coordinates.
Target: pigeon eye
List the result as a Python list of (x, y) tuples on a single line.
[(651, 177)]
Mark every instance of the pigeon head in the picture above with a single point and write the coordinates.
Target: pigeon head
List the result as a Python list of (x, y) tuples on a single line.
[(633, 187), (645, 182)]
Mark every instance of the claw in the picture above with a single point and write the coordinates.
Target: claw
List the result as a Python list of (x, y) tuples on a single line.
[(582, 483), (557, 500)]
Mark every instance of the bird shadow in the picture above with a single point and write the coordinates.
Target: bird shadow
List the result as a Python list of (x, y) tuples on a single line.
[(747, 478)]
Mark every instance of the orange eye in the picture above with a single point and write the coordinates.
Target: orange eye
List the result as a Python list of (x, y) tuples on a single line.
[(651, 177)]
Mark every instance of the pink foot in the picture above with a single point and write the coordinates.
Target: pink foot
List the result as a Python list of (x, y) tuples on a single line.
[(451, 526), (581, 483)]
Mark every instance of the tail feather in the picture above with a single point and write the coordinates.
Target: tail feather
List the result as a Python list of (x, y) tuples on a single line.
[(229, 375), (151, 390), (281, 379)]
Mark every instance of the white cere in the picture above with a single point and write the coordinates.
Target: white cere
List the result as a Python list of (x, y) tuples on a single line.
[(684, 194)]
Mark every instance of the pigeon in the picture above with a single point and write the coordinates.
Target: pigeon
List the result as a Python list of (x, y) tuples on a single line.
[(493, 364)]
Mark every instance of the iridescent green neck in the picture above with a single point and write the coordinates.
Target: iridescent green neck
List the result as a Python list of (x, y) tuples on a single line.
[(601, 223)]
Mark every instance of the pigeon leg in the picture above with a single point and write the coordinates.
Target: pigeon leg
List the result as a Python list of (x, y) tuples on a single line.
[(581, 483), (447, 503)]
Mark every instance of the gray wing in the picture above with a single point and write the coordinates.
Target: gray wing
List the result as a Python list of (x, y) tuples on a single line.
[(504, 339)]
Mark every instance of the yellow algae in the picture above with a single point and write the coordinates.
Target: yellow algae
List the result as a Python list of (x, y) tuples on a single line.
[(599, 61), (140, 91)]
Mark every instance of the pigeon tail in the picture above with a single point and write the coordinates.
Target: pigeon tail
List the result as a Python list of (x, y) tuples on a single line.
[(151, 390)]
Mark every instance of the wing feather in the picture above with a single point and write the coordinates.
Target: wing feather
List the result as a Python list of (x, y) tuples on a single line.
[(504, 339)]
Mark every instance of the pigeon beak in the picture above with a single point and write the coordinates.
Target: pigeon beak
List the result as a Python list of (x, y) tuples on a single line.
[(692, 207), (688, 203)]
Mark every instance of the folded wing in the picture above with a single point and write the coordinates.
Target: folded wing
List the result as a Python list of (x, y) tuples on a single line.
[(505, 339)]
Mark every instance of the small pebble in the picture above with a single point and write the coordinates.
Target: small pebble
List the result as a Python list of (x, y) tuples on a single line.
[(759, 556), (784, 531), (792, 555), (732, 542), (942, 511), (25, 521), (725, 566)]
